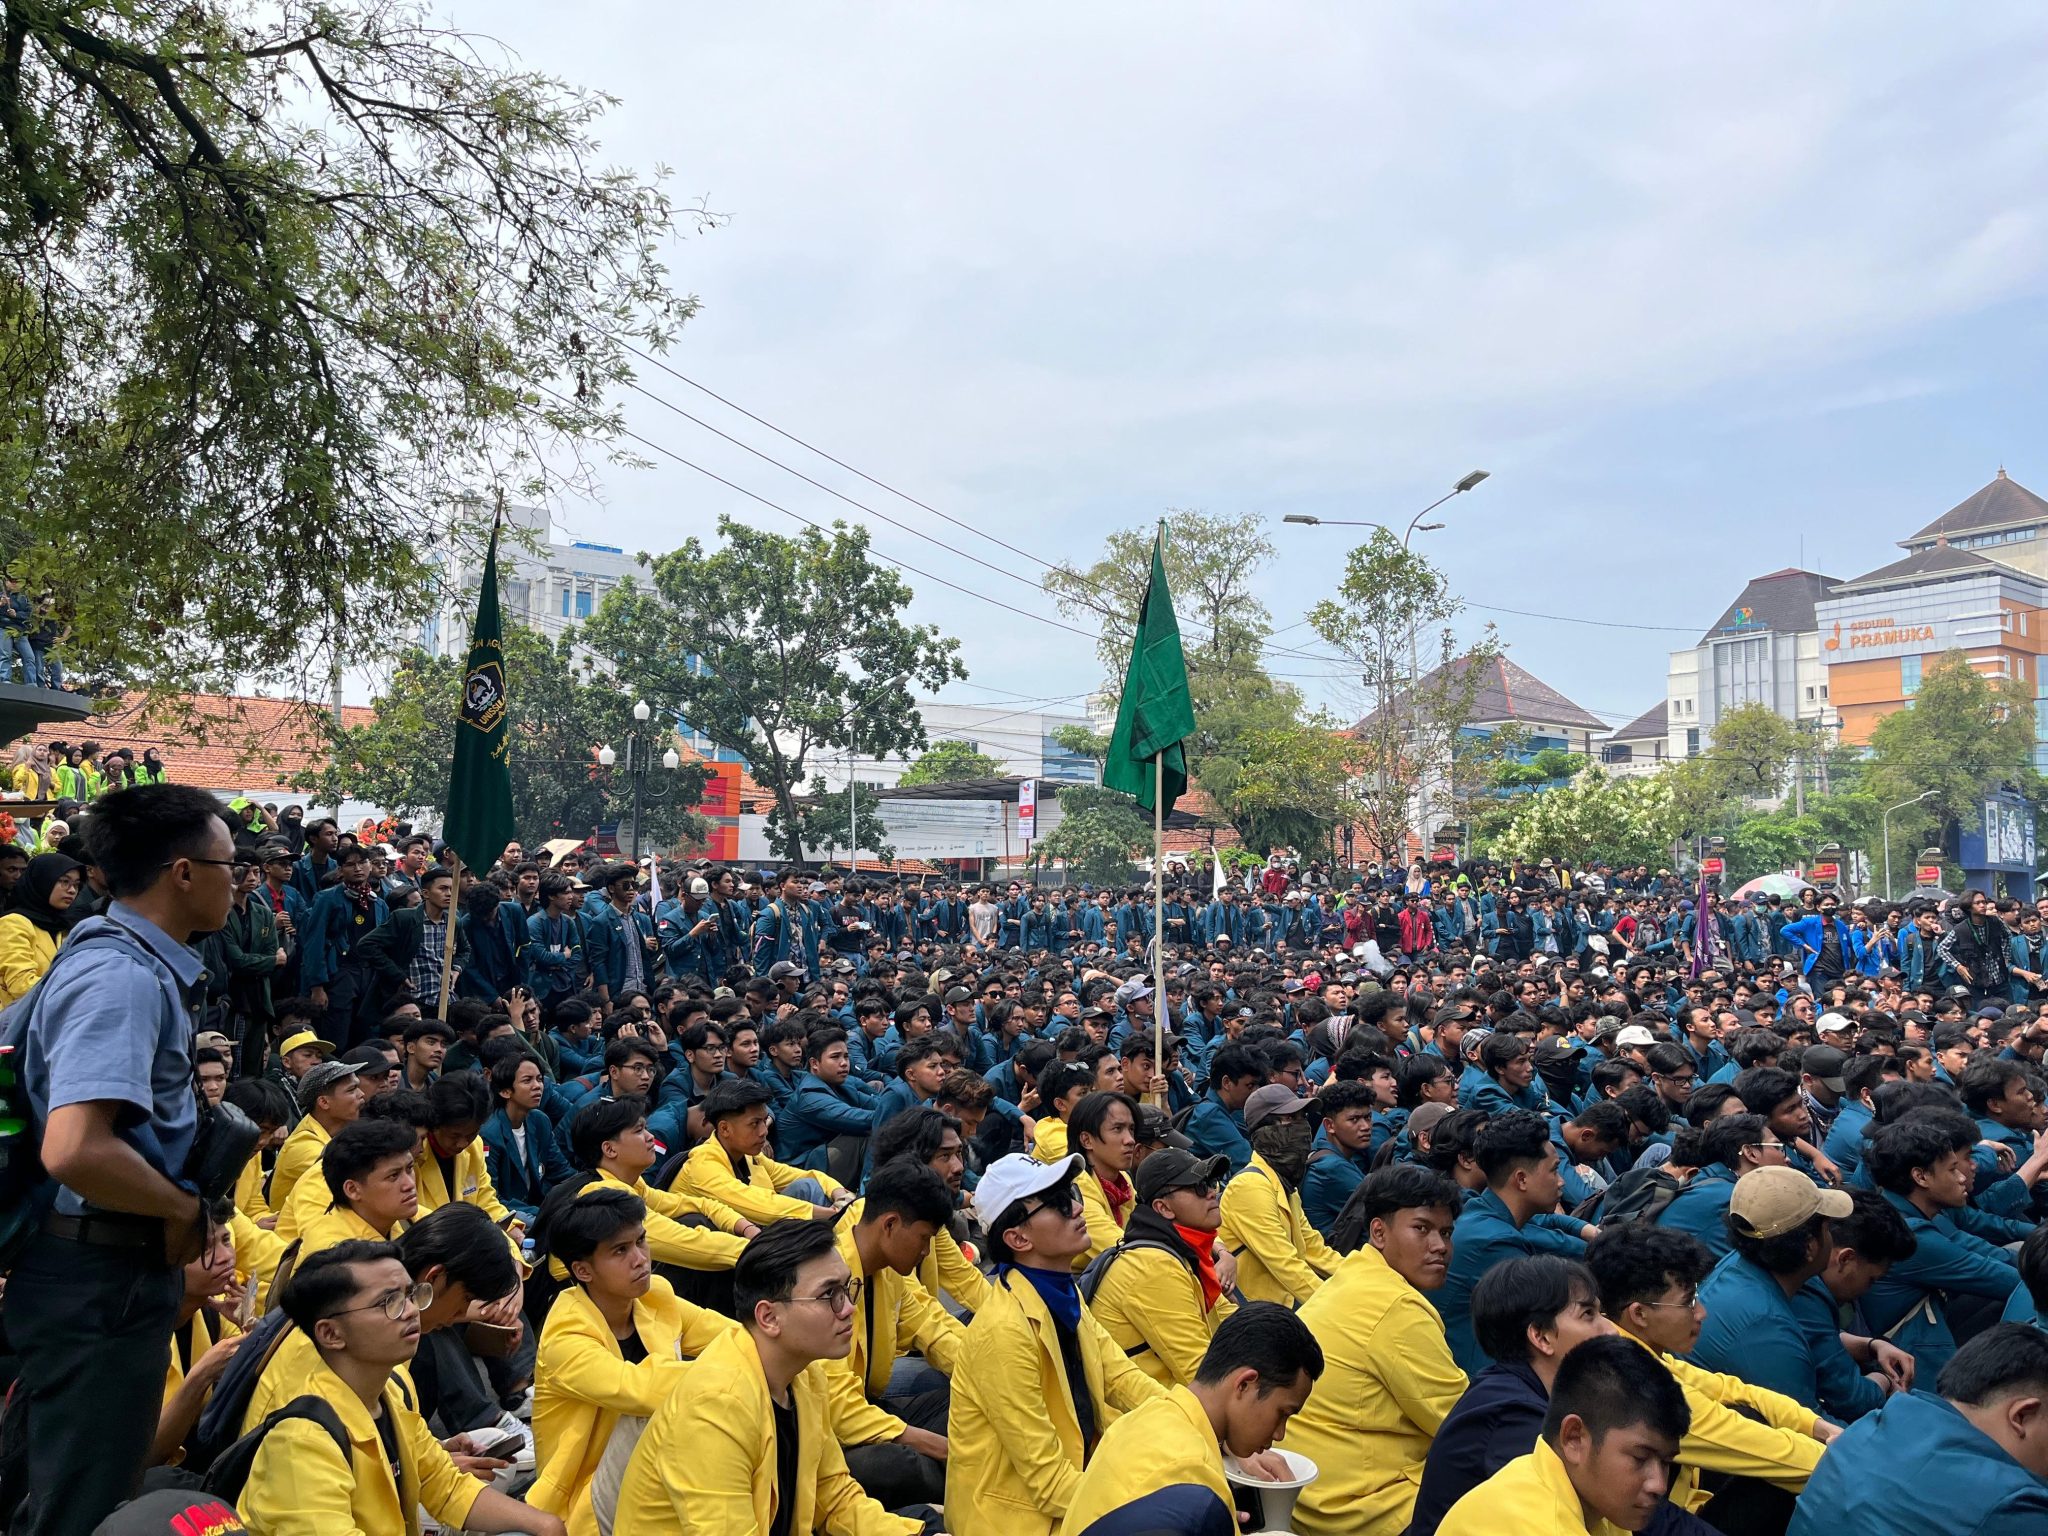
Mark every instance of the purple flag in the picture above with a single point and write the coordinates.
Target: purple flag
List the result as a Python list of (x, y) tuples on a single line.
[(1703, 934)]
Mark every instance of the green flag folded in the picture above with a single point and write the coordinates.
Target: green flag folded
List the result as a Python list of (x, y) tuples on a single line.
[(1154, 715), (479, 819)]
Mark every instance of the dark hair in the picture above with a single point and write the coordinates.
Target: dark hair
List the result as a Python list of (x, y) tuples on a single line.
[(263, 1099), (1877, 1232), (1605, 1119), (1722, 1139), (768, 1265), (1396, 1187), (1920, 1140), (1266, 1337), (1414, 1075), (2033, 1266), (600, 1121), (1453, 1137), (423, 1029), (591, 1219), (1090, 1115), (906, 1188), (1763, 1089), (1704, 1103), (1517, 1137), (461, 1239), (406, 1106), (621, 1051), (733, 1096), (1233, 1061), (1059, 1080), (326, 1281), (1340, 1096), (1518, 1294), (1613, 1383), (1633, 1261), (698, 1036), (360, 1146), (505, 1069), (1500, 1050), (1784, 1254), (2004, 1360), (1984, 1080), (821, 1040), (458, 1098), (132, 834), (916, 1133)]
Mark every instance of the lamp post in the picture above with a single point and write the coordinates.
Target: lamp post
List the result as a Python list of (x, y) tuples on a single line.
[(1886, 822), (852, 756), (1415, 525), (639, 763)]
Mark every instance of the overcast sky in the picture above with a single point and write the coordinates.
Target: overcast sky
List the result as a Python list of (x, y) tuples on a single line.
[(1696, 284)]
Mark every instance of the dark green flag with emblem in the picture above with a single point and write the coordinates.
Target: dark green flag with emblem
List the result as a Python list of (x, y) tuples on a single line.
[(479, 820), (1154, 715)]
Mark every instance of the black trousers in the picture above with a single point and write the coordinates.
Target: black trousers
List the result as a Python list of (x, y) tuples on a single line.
[(895, 1476), (92, 1327)]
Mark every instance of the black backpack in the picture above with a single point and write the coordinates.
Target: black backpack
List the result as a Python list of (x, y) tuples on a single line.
[(1099, 1266), (229, 1473), (1639, 1195), (219, 1429)]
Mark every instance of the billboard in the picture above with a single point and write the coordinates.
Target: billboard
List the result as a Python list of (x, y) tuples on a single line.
[(2003, 841)]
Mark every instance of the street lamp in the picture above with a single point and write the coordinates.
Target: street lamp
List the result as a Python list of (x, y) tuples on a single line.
[(1415, 525), (1886, 822), (852, 755), (639, 764)]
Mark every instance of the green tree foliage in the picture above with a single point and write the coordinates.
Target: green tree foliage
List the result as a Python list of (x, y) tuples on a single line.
[(1211, 562), (1965, 733), (777, 649), (1752, 752), (1100, 835), (949, 761), (822, 826), (561, 714), (279, 284), (1624, 821), (1392, 617)]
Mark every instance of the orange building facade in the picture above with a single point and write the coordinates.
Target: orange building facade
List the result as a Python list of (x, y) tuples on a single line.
[(1972, 581)]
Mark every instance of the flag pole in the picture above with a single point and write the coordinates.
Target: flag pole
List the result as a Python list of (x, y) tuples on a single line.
[(448, 945), (1159, 920)]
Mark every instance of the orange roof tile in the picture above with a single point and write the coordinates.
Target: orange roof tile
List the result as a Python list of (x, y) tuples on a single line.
[(218, 741)]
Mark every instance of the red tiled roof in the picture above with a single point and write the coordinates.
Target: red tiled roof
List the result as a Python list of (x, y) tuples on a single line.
[(218, 741)]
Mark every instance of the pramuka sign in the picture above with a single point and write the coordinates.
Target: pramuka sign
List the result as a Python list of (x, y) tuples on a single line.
[(1873, 634)]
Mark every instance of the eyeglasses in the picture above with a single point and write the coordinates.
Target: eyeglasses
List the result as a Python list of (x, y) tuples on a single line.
[(1064, 1201), (419, 1294), (840, 1298), (1691, 1301)]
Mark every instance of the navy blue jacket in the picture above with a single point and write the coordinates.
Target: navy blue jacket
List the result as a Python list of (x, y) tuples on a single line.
[(1499, 1418), (1918, 1465), (522, 1183)]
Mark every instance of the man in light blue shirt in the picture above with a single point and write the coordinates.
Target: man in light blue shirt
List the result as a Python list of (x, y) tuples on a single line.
[(104, 1043)]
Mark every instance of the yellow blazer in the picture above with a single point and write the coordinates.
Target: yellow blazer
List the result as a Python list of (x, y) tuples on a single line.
[(1014, 1452), (301, 1486), (707, 1172), (1165, 1443), (25, 955), (583, 1385), (1280, 1257), (297, 1159), (1104, 1229), (1151, 1305), (706, 1465), (905, 1317), (667, 1238)]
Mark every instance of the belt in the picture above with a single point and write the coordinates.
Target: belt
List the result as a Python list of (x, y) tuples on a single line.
[(108, 1231)]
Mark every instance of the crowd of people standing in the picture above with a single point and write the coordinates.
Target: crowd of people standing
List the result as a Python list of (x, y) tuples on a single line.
[(585, 1195)]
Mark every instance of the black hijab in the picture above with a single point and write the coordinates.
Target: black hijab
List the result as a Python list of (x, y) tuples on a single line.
[(32, 891)]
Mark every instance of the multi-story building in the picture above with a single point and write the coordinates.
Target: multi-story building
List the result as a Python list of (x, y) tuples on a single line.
[(1764, 649), (544, 584), (1974, 580)]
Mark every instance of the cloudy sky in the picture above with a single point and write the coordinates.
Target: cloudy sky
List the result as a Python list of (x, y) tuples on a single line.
[(1709, 290)]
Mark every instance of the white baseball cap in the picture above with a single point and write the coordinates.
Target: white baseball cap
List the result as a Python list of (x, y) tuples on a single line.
[(1832, 1024), (1635, 1034), (1018, 1176)]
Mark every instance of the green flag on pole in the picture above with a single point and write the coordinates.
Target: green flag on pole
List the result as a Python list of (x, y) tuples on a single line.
[(1154, 715), (479, 820)]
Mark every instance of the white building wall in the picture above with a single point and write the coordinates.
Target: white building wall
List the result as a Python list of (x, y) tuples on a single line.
[(1020, 740)]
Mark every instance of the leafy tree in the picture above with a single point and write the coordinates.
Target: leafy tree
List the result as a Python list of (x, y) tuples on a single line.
[(773, 647), (1100, 835), (821, 826), (1392, 616), (1624, 821), (280, 283), (1752, 752), (1290, 790), (1211, 563), (561, 713), (1965, 734), (949, 761)]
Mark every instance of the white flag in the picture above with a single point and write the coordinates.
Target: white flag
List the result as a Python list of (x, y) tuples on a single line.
[(1217, 893)]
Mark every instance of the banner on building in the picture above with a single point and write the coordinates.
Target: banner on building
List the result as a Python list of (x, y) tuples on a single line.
[(1027, 810)]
